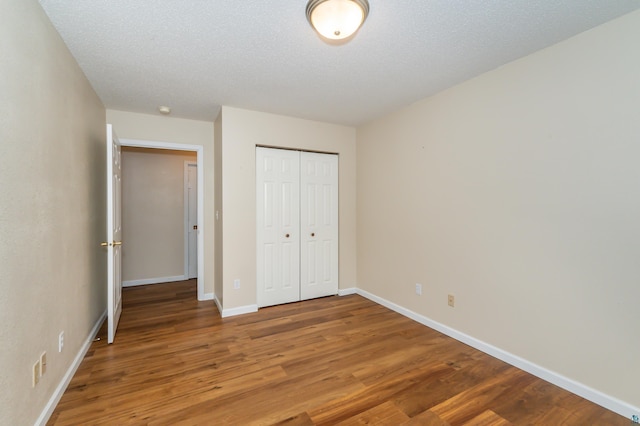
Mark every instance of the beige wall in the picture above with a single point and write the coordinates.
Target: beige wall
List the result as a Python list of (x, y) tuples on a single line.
[(242, 130), (519, 193), (153, 213), (52, 213), (130, 125)]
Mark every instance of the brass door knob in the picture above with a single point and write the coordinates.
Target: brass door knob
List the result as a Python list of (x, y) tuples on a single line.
[(115, 243)]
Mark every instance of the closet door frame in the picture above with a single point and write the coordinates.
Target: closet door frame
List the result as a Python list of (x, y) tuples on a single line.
[(297, 230)]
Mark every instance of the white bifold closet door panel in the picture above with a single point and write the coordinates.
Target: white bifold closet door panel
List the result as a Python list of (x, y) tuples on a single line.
[(319, 225), (297, 225), (278, 226)]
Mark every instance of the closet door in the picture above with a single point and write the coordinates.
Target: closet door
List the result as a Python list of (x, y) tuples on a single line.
[(319, 225), (278, 226)]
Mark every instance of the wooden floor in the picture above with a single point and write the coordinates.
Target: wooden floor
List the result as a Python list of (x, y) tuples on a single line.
[(337, 360)]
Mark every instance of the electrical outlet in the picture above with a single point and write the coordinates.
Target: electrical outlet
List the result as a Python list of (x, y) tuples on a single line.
[(236, 283), (43, 363), (418, 289), (451, 300), (35, 374), (60, 341)]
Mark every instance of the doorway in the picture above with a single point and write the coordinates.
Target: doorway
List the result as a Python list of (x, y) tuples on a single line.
[(195, 156)]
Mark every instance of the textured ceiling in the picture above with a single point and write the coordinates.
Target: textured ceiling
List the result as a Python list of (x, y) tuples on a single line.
[(196, 55)]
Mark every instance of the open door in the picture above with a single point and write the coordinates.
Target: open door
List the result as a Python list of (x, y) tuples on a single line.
[(114, 233)]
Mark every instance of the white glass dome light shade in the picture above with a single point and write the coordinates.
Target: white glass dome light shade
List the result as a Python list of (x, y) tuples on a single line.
[(337, 19)]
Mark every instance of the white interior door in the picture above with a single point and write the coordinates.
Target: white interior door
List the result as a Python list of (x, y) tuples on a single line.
[(114, 233), (192, 218), (318, 225), (278, 226)]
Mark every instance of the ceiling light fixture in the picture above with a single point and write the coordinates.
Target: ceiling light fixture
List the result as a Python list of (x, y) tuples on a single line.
[(337, 19), (164, 109)]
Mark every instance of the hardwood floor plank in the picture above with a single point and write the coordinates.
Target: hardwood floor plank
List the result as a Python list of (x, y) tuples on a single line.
[(451, 382), (375, 394), (259, 405), (333, 360), (301, 419), (384, 414), (473, 401), (426, 418), (487, 418)]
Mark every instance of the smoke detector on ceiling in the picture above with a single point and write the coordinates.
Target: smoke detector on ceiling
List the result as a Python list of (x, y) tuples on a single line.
[(164, 110)]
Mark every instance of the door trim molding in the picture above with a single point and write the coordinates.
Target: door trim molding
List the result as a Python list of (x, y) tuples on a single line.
[(199, 149)]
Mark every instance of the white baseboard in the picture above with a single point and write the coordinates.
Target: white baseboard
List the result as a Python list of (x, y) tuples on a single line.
[(254, 308), (218, 304), (238, 311), (62, 386), (158, 280), (624, 409), (207, 296)]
